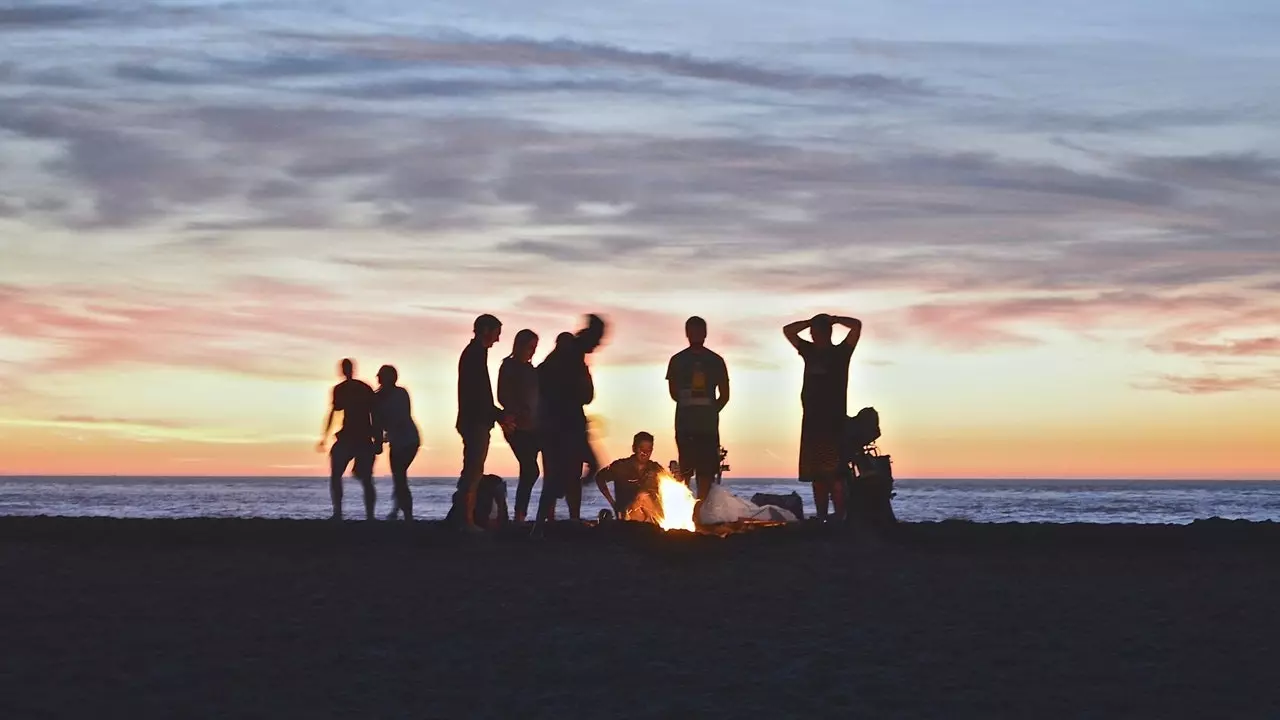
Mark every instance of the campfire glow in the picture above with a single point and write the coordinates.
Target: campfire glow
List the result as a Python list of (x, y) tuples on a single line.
[(676, 511)]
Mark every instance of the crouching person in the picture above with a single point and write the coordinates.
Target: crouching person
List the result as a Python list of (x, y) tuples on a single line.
[(635, 482)]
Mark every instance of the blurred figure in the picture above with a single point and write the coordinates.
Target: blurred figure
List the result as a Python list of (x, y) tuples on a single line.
[(518, 395), (824, 400), (357, 441), (565, 389), (393, 413), (635, 482), (698, 382), (476, 411)]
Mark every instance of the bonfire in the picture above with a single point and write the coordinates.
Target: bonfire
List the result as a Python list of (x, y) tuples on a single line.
[(675, 504)]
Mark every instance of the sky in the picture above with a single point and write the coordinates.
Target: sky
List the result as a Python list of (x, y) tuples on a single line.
[(1058, 223)]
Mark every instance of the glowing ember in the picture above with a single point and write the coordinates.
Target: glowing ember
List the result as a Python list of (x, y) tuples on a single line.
[(677, 504)]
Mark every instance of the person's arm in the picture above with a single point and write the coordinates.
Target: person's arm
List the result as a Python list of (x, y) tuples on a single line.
[(588, 385), (792, 332), (855, 329), (602, 482), (505, 391), (328, 424), (672, 390), (722, 387)]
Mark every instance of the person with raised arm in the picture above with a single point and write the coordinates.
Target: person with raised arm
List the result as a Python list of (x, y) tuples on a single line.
[(824, 402), (357, 441)]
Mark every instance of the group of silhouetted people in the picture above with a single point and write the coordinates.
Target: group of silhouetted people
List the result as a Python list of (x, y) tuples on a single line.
[(542, 410)]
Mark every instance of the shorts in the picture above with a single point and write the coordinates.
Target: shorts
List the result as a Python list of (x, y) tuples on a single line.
[(345, 451), (475, 451), (699, 454)]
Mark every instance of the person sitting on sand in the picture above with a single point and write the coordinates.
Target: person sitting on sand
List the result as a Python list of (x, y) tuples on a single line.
[(393, 413), (824, 404), (357, 442), (635, 481)]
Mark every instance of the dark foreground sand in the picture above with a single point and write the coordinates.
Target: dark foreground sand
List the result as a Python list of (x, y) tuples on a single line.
[(203, 618)]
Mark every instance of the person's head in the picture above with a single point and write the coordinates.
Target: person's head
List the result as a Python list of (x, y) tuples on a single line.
[(820, 329), (488, 329), (642, 446), (387, 376), (695, 329), (348, 368), (525, 345)]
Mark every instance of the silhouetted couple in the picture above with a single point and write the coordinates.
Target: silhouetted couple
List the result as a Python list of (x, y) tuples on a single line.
[(370, 420), (824, 400)]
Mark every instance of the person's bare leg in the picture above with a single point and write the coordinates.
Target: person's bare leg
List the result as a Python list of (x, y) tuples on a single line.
[(573, 496), (336, 472), (820, 494), (473, 487), (370, 496), (837, 498), (704, 485)]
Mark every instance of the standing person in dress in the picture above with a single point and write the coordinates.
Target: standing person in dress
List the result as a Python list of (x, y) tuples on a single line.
[(394, 415), (824, 400), (357, 440), (698, 382), (518, 396), (476, 412)]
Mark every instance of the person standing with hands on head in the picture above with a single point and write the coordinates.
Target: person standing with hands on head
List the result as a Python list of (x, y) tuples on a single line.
[(518, 395), (477, 413), (357, 441), (824, 402), (698, 382)]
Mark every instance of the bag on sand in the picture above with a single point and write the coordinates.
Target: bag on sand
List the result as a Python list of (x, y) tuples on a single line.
[(871, 491), (792, 503)]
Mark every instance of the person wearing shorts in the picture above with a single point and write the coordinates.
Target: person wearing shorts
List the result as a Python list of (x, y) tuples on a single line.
[(698, 382), (355, 444)]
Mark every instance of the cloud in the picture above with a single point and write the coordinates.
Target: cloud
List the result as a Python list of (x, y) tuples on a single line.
[(1212, 384), (1247, 348), (984, 323), (40, 16), (516, 52), (124, 422)]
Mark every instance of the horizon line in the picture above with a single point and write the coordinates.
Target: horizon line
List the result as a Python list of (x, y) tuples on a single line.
[(779, 480)]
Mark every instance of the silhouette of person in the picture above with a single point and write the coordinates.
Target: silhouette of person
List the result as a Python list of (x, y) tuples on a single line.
[(565, 389), (356, 443), (476, 411), (393, 414), (698, 382), (635, 481), (824, 400), (518, 395)]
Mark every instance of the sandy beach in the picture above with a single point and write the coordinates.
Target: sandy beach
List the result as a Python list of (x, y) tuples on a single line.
[(242, 618)]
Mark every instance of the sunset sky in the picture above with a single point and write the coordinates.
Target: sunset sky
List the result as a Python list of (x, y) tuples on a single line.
[(1059, 222)]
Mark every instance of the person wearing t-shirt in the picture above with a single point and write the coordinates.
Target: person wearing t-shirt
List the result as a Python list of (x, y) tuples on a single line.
[(824, 402), (356, 442), (635, 482), (698, 382)]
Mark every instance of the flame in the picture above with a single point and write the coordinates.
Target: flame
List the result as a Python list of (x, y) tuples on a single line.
[(677, 503)]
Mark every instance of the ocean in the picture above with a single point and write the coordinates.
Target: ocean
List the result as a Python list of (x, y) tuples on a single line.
[(1054, 501)]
